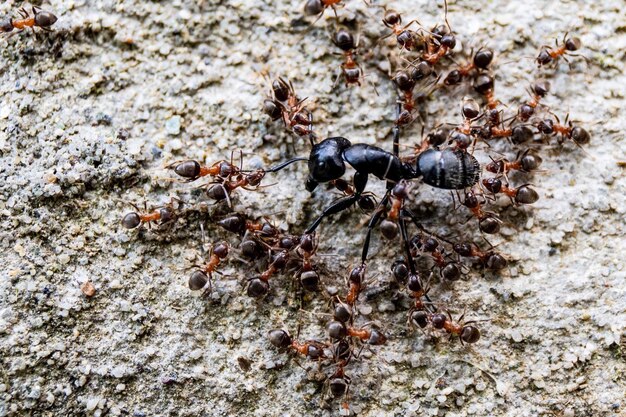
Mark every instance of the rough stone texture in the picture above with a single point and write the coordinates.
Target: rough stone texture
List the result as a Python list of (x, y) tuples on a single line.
[(90, 115)]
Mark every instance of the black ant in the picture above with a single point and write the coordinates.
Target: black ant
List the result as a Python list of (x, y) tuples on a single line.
[(41, 19), (549, 55), (160, 215), (480, 61), (200, 277), (406, 38), (350, 68), (520, 195)]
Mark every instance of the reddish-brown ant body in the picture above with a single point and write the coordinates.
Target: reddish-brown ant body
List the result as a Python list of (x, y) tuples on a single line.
[(526, 162), (339, 330), (40, 18), (356, 284), (406, 38), (479, 62), (576, 133), (161, 216), (350, 68), (487, 222), (538, 91), (317, 7), (311, 349), (465, 332), (550, 55), (286, 105), (200, 277), (520, 195), (406, 80), (490, 260)]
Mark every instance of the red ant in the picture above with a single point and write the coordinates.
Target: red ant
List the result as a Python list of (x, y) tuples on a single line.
[(490, 260), (480, 61), (487, 222), (338, 330), (200, 277), (259, 285), (356, 284), (526, 162), (311, 349), (428, 244), (306, 249), (538, 91), (484, 85), (461, 136), (407, 39), (549, 55), (163, 215), (40, 19), (520, 195), (350, 68), (285, 105), (576, 133), (406, 80), (192, 170), (441, 41), (399, 193), (465, 332)]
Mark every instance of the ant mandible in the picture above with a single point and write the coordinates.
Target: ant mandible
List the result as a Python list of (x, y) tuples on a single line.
[(41, 19)]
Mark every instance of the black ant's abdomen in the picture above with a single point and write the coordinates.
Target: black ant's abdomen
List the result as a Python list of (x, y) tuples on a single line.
[(448, 169), (373, 160)]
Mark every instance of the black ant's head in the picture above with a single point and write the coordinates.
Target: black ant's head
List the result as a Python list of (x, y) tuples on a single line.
[(326, 159), (45, 19)]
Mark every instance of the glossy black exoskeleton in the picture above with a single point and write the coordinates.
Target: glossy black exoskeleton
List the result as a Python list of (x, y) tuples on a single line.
[(448, 168)]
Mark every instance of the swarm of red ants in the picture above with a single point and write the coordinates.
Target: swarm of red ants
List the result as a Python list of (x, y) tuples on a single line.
[(426, 65)]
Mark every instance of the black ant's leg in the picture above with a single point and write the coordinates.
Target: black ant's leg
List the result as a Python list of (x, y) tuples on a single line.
[(360, 181), (374, 220), (339, 206), (396, 131)]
